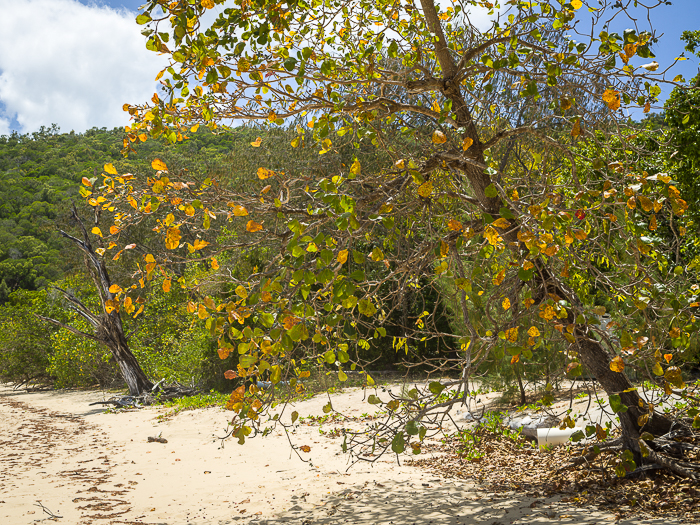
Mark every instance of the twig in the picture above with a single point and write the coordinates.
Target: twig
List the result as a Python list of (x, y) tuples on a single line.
[(51, 514)]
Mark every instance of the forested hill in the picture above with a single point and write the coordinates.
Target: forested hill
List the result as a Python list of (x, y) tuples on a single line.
[(40, 175)]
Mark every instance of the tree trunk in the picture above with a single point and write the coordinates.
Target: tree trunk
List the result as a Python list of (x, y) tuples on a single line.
[(107, 326)]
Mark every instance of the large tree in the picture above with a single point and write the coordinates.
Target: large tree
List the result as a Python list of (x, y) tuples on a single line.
[(491, 162)]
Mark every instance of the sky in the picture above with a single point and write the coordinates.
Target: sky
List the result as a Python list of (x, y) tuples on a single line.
[(76, 62)]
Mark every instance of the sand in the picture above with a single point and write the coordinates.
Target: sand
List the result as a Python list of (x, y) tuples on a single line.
[(92, 467)]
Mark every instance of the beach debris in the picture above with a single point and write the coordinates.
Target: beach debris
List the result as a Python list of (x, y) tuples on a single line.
[(157, 439)]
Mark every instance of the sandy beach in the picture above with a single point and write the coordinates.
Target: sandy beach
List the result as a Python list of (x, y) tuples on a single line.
[(92, 467)]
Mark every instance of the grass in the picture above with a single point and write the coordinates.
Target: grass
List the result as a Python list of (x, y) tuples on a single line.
[(209, 399)]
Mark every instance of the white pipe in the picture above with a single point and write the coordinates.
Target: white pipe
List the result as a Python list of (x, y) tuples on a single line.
[(554, 436)]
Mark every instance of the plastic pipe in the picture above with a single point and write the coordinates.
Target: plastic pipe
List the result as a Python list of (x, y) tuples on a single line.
[(554, 436)]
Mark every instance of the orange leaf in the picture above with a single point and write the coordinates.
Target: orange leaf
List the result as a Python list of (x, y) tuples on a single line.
[(158, 164), (576, 131), (612, 99), (454, 225), (506, 303), (342, 256), (514, 359), (253, 226), (166, 285), (617, 364), (230, 374), (305, 448), (668, 357), (439, 137), (466, 143), (114, 230), (86, 182), (214, 264)]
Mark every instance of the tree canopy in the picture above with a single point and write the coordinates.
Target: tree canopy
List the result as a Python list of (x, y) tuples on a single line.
[(488, 165)]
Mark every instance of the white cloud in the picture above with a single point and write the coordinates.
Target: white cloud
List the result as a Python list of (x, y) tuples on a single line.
[(74, 65)]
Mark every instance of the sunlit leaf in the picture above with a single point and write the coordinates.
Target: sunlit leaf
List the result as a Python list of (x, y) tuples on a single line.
[(166, 285), (467, 143), (426, 189), (439, 137), (158, 164), (617, 364), (612, 98), (253, 226), (257, 142), (342, 256), (109, 168), (97, 231)]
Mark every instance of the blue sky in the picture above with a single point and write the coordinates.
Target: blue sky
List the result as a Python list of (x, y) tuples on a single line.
[(76, 62)]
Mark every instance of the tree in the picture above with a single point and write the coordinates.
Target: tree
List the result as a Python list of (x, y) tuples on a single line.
[(528, 244), (107, 325)]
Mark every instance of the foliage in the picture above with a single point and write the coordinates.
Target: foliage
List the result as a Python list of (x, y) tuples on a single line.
[(25, 351), (505, 178)]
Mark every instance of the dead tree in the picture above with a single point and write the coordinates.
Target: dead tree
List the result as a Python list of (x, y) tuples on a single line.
[(107, 325)]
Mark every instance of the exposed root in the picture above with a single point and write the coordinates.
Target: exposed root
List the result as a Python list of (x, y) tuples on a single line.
[(158, 394)]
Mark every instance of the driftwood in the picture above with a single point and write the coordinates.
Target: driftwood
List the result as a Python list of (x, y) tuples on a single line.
[(158, 394)]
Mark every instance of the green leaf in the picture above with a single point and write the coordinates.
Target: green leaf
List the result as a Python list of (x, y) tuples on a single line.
[(373, 400), (397, 444), (412, 428), (525, 275), (393, 404), (329, 357), (290, 63), (491, 191), (295, 416), (366, 307), (436, 388), (143, 19), (247, 361), (342, 376), (616, 404), (327, 408)]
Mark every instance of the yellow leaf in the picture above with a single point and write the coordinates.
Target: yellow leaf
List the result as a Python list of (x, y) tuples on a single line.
[(342, 256), (492, 235), (115, 288), (612, 98), (214, 264), (576, 131), (158, 164), (97, 231), (426, 189), (454, 225), (528, 302), (189, 210), (114, 230), (241, 291), (253, 226), (652, 66), (631, 203), (172, 238), (533, 331), (439, 137), (565, 103), (512, 334), (501, 223), (576, 4), (110, 169), (202, 312), (129, 305), (514, 359), (355, 168), (467, 143), (444, 249), (436, 106), (238, 211), (617, 364), (506, 303), (166, 285), (646, 203), (264, 173), (257, 143), (652, 223)]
